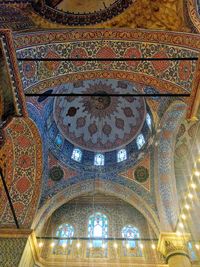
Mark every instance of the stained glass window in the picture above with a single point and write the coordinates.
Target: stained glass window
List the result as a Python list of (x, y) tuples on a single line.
[(148, 120), (98, 227), (99, 160), (131, 246), (140, 141), (65, 231), (59, 140), (76, 154), (121, 155)]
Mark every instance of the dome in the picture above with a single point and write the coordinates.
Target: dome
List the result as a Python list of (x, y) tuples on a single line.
[(98, 123)]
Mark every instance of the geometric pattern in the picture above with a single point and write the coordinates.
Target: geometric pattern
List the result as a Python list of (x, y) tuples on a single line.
[(131, 173), (170, 71), (118, 42), (23, 172), (81, 17), (166, 187), (11, 250), (92, 122)]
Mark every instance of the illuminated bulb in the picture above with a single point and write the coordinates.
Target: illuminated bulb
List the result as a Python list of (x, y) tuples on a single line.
[(181, 225), (115, 245), (141, 246), (193, 185), (190, 196), (153, 246), (183, 216), (196, 173), (178, 233), (127, 246), (197, 246), (64, 245), (90, 245), (78, 245), (103, 245), (52, 244), (187, 206), (40, 245)]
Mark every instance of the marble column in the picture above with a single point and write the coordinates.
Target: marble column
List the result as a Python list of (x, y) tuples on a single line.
[(174, 248)]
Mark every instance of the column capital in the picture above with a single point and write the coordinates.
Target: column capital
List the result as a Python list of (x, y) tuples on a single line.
[(171, 244)]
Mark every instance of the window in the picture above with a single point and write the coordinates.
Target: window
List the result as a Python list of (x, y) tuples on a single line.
[(140, 141), (59, 140), (99, 160), (66, 231), (148, 120), (192, 251), (76, 154), (98, 227), (131, 246), (121, 155)]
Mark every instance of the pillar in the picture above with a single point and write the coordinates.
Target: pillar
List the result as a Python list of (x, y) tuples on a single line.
[(15, 249), (174, 248)]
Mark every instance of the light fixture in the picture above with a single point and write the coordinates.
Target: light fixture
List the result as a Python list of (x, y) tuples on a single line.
[(103, 245), (115, 245), (52, 244), (78, 245), (127, 246), (141, 245), (153, 246), (178, 233), (187, 206), (64, 245), (190, 196), (196, 173), (193, 185), (90, 245), (197, 246), (181, 225), (183, 216), (40, 245)]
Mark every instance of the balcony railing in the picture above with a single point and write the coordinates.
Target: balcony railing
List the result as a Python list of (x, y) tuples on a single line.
[(117, 249)]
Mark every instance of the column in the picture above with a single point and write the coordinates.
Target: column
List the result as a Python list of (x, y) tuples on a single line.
[(174, 248), (12, 245)]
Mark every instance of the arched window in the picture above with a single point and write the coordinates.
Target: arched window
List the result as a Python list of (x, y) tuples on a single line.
[(121, 155), (148, 120), (98, 228), (59, 140), (140, 141), (99, 160), (65, 231), (130, 233), (76, 154)]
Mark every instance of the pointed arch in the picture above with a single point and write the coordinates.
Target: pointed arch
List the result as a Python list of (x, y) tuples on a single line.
[(167, 200)]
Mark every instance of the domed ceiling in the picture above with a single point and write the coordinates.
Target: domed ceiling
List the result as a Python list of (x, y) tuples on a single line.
[(97, 122), (81, 12)]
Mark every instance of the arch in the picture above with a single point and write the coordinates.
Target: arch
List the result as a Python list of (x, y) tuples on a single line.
[(99, 186), (193, 13), (22, 153), (121, 155), (65, 230), (167, 201), (130, 233), (77, 154), (99, 159), (98, 227)]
